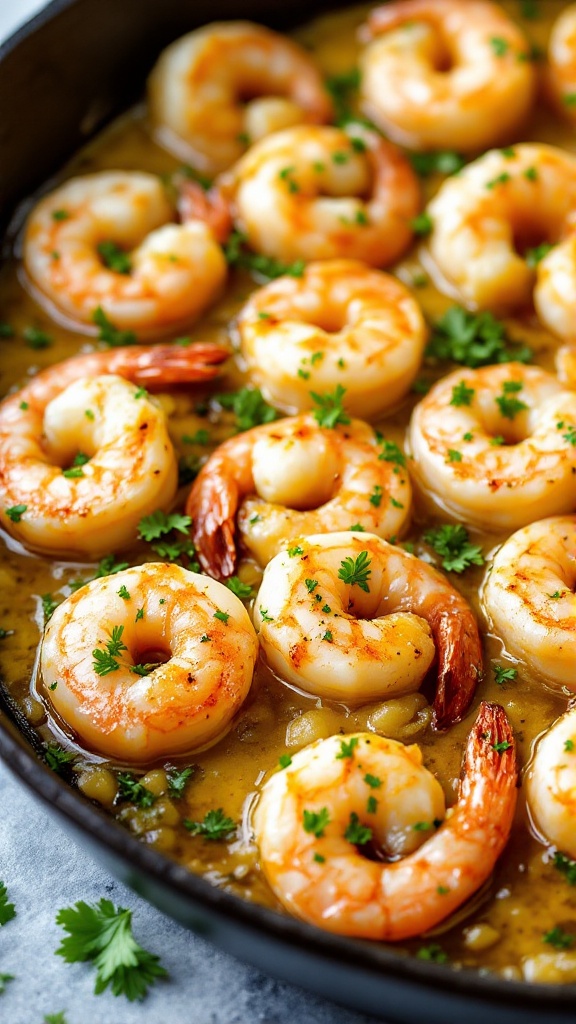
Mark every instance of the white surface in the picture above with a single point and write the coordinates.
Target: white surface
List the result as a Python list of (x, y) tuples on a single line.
[(44, 870)]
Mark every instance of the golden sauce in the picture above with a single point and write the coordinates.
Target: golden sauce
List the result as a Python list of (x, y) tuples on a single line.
[(526, 897)]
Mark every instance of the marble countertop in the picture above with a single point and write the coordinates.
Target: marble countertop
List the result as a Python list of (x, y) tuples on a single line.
[(45, 870)]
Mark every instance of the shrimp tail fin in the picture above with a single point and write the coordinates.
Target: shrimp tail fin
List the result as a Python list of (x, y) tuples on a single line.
[(490, 752), (161, 366), (459, 649), (212, 505), (208, 205)]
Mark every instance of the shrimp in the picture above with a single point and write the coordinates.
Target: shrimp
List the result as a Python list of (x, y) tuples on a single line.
[(498, 207), (82, 408), (316, 193), (147, 663), (341, 799), (529, 598), (76, 256), (561, 67), (216, 90), (440, 74), (551, 783), (290, 478), (496, 445), (351, 618), (339, 320)]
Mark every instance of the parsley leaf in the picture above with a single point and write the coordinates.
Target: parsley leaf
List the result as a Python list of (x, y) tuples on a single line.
[(102, 933), (473, 339), (57, 758), (49, 605), (315, 822), (129, 788), (106, 661), (110, 334), (445, 161), (7, 910), (433, 952), (566, 866), (330, 410), (558, 938), (508, 404), (347, 749), (4, 978), (238, 254), (177, 780), (357, 833), (215, 825), (158, 523), (355, 571), (114, 257), (452, 543), (503, 675), (248, 407), (242, 590)]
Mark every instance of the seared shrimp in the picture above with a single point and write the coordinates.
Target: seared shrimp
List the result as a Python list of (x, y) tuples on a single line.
[(561, 69), (551, 783), (442, 74), (290, 478), (495, 446), (148, 663), (106, 240), (529, 598), (351, 618), (319, 820), (72, 438), (315, 193), (506, 201), (216, 90), (340, 321)]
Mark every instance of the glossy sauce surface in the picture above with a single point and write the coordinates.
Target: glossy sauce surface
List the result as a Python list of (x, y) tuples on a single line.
[(527, 897)]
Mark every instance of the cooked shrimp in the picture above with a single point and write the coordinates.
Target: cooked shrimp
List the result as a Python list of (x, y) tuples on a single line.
[(529, 598), (315, 193), (216, 90), (149, 662), (506, 201), (351, 618), (440, 74), (346, 795), (72, 410), (294, 477), (168, 273), (561, 68), (551, 783), (495, 446), (340, 321)]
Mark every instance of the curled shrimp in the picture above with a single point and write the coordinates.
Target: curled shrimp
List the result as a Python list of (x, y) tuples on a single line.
[(316, 193), (561, 67), (150, 662), (499, 207), (496, 445), (440, 74), (107, 240), (83, 411), (351, 618), (551, 783), (342, 798), (291, 478), (223, 86), (340, 320), (529, 598)]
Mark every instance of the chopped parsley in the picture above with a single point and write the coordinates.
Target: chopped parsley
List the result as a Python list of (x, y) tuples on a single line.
[(445, 161), (473, 339), (114, 258), (49, 605), (297, 550), (238, 254), (107, 661), (215, 826), (102, 934), (311, 585), (329, 408), (242, 590), (566, 866), (507, 402), (500, 179), (129, 788), (452, 543), (57, 758), (328, 636), (315, 822), (284, 760), (504, 675), (501, 747), (499, 45), (356, 571), (372, 780), (248, 407), (15, 512), (264, 615), (422, 224), (462, 394), (432, 952), (177, 779), (109, 334), (124, 593), (222, 616), (347, 748), (454, 455), (36, 338), (558, 938), (343, 89), (376, 496), (569, 746), (7, 909), (357, 833), (392, 453)]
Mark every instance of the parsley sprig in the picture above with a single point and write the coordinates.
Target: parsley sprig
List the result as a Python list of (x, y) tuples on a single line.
[(131, 789), (108, 333), (249, 408), (214, 826), (7, 909), (106, 661), (473, 339), (238, 254), (452, 543), (356, 571), (329, 408), (102, 933), (159, 526)]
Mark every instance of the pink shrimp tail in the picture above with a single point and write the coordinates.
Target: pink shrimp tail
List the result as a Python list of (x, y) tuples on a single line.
[(212, 505), (490, 763), (459, 647), (209, 206), (159, 366)]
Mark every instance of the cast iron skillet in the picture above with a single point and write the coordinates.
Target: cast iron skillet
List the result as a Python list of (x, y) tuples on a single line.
[(62, 76)]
